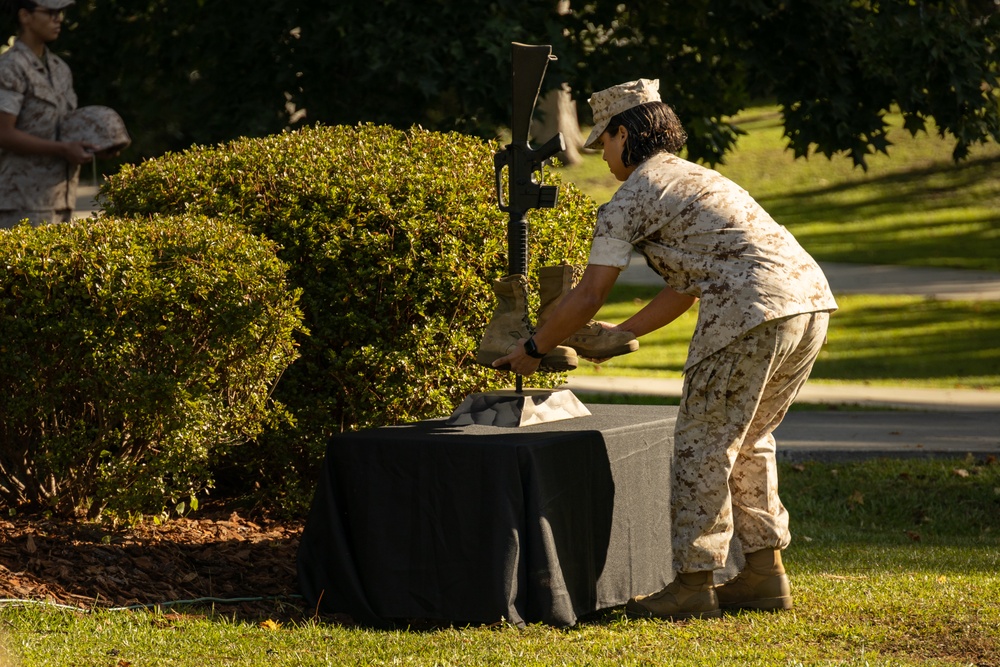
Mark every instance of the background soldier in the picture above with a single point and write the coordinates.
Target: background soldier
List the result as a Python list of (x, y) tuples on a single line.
[(38, 172)]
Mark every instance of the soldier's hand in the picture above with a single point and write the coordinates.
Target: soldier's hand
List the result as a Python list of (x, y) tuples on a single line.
[(518, 360), (78, 152)]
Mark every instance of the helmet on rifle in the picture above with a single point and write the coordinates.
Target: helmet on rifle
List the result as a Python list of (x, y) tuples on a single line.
[(99, 126)]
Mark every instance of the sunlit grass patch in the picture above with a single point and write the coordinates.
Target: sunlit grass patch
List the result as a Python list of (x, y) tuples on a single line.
[(877, 339), (914, 206), (892, 562)]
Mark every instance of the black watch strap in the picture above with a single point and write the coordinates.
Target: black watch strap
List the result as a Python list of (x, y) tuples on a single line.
[(532, 350)]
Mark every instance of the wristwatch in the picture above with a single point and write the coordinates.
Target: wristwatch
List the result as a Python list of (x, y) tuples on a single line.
[(532, 350)]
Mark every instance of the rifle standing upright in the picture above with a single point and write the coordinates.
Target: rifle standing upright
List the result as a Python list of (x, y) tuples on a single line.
[(528, 67), (523, 161), (524, 192)]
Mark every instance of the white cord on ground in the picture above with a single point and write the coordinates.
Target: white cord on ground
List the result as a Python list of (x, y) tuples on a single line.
[(12, 602)]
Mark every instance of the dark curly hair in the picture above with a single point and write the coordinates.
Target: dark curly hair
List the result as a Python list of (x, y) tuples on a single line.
[(652, 128)]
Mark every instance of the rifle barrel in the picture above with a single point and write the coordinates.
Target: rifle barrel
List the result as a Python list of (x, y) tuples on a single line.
[(528, 67)]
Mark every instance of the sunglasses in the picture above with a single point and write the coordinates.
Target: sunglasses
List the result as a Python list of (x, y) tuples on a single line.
[(54, 14)]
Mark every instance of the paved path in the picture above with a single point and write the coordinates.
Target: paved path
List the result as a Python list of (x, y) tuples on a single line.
[(86, 196), (956, 284), (893, 421), (896, 421)]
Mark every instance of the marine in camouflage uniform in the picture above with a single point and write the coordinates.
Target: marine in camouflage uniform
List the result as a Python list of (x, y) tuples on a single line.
[(39, 92), (762, 320)]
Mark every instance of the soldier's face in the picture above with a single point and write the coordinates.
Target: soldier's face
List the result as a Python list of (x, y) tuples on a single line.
[(44, 24), (613, 145)]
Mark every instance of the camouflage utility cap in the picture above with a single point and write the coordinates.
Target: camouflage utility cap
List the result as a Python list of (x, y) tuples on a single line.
[(610, 102), (54, 4), (100, 126)]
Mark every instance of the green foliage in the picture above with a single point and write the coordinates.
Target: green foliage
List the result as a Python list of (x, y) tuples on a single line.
[(132, 354), (694, 49), (444, 65), (835, 67), (183, 71), (190, 71), (838, 78), (394, 238)]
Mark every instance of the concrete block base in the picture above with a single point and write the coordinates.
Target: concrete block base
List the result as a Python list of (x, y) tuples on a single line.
[(510, 408)]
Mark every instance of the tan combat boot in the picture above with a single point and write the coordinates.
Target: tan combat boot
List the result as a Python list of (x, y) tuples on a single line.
[(591, 341), (762, 584), (690, 595), (510, 323)]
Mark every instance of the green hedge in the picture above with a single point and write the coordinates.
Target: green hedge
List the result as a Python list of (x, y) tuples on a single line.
[(133, 354), (394, 238)]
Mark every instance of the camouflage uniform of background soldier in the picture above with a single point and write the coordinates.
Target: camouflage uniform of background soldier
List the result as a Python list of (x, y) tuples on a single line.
[(762, 320), (39, 170)]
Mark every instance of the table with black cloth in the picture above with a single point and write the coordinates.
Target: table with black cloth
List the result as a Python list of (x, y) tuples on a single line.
[(475, 524)]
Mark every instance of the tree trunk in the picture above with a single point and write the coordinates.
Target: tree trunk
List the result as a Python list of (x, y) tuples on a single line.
[(557, 113)]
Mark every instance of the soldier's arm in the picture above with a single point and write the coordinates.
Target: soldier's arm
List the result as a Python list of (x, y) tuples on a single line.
[(574, 310), (663, 309), (578, 306), (23, 143)]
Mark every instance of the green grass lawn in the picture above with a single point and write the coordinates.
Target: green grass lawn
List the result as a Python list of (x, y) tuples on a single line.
[(893, 562), (874, 339), (913, 207)]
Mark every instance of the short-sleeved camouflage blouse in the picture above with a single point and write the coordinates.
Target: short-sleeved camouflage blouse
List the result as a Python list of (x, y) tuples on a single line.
[(709, 239), (39, 97)]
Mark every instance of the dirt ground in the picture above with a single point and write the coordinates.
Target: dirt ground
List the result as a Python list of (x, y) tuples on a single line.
[(216, 554)]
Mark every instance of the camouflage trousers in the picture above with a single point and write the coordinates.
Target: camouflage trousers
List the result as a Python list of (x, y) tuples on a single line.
[(725, 474)]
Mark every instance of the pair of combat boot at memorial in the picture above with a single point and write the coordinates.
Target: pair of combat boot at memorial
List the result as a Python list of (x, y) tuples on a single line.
[(510, 323)]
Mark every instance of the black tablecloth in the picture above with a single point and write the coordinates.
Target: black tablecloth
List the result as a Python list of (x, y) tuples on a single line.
[(475, 524)]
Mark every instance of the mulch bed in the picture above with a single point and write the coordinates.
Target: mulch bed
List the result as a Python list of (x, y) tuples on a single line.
[(216, 554)]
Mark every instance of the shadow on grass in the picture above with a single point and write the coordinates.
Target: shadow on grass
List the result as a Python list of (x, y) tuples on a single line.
[(910, 503), (871, 338), (912, 339), (906, 182), (922, 199)]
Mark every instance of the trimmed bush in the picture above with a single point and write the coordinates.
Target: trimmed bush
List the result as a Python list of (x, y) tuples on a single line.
[(394, 238), (133, 353)]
